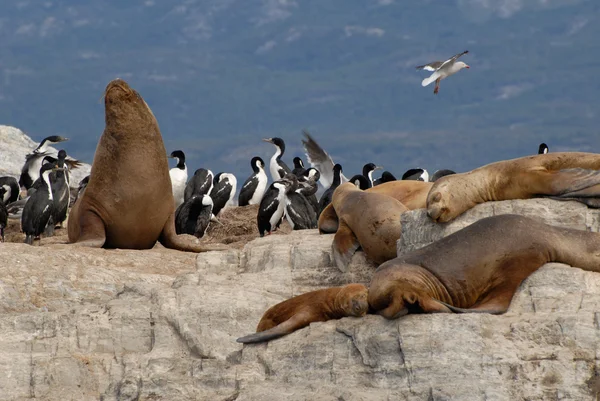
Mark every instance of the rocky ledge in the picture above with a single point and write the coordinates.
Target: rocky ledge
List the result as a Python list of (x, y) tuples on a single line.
[(83, 324)]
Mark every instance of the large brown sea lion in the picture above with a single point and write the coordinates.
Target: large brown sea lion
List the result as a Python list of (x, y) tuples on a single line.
[(412, 194), (315, 306), (478, 268), (368, 220), (128, 201), (563, 175)]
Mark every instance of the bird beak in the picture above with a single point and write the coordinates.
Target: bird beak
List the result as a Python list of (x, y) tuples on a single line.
[(270, 140), (378, 168), (466, 66), (215, 220)]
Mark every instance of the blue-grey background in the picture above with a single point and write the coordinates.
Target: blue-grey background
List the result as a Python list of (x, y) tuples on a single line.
[(221, 74)]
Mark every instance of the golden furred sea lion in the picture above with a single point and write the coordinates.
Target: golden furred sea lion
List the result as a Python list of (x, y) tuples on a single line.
[(479, 268), (128, 202), (561, 175), (368, 220), (412, 194), (315, 306)]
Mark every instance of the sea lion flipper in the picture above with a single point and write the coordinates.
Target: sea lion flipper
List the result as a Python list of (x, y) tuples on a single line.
[(344, 246), (575, 183), (92, 232), (169, 239), (328, 220), (294, 323)]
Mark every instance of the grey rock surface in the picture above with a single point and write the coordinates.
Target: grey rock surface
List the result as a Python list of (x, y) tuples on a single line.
[(418, 230), (88, 324), (15, 145)]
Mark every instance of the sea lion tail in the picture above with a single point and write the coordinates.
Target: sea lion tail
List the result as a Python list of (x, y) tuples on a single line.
[(266, 335), (344, 246)]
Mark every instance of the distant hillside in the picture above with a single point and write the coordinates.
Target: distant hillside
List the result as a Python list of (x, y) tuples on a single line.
[(221, 74)]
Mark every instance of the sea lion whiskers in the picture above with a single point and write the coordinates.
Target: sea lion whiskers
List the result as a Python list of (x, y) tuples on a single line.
[(351, 301)]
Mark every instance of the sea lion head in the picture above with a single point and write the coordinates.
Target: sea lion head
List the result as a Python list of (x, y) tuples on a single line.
[(125, 107), (352, 299), (449, 197)]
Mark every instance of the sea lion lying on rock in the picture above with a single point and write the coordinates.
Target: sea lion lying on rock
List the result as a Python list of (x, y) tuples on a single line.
[(368, 220), (560, 175), (412, 194), (479, 268), (128, 202), (315, 306)]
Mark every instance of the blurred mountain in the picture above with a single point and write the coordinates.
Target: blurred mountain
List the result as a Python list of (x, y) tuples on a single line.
[(221, 74)]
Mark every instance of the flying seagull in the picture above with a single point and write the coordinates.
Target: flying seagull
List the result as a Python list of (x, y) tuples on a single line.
[(442, 69)]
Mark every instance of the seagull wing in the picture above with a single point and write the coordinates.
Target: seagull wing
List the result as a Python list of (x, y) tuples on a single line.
[(431, 66), (319, 159), (453, 58)]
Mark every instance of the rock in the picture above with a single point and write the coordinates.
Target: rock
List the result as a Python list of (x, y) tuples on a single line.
[(15, 145), (88, 324), (419, 230)]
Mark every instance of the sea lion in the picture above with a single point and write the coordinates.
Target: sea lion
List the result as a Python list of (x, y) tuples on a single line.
[(411, 193), (479, 268), (370, 220), (315, 306), (560, 175), (128, 202)]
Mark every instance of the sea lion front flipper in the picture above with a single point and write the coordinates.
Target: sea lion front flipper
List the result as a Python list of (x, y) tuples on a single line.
[(170, 239), (344, 245), (92, 232), (294, 323), (574, 184), (328, 220), (491, 307)]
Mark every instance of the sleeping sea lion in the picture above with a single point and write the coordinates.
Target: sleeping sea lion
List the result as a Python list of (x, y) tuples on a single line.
[(560, 175), (315, 306), (412, 194), (128, 202), (479, 268), (368, 220)]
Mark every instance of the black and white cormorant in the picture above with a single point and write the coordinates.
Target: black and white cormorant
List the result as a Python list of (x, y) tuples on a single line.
[(179, 176), (368, 172), (193, 216), (33, 161), (60, 194), (360, 181), (200, 184), (3, 216), (255, 186), (223, 191), (328, 194), (298, 210), (38, 209), (417, 174), (309, 185), (543, 149), (11, 187), (319, 159), (277, 167), (298, 167), (76, 193), (440, 173), (272, 206), (386, 176)]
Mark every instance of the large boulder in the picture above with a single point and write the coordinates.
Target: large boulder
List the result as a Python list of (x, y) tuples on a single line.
[(87, 324)]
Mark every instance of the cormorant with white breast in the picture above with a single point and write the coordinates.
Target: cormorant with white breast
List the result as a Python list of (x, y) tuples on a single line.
[(277, 167), (60, 194), (179, 176), (416, 174), (255, 186), (298, 167), (298, 210), (38, 209), (309, 186), (33, 161), (11, 190), (386, 176), (319, 159), (543, 149), (360, 181), (328, 194), (200, 184), (368, 172), (272, 206), (193, 216), (440, 173), (223, 191)]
